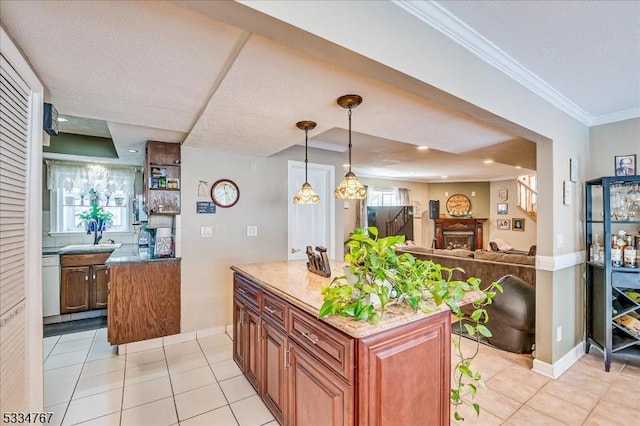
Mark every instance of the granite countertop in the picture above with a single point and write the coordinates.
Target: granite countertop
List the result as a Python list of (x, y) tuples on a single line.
[(120, 253), (132, 253), (291, 281)]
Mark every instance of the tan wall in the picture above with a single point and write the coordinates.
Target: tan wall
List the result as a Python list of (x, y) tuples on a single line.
[(206, 277), (519, 240), (609, 140)]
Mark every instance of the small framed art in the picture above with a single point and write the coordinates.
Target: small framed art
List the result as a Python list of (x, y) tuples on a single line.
[(625, 165), (504, 224), (503, 208), (517, 223)]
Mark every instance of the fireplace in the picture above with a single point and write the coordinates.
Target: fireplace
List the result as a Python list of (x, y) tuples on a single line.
[(458, 233)]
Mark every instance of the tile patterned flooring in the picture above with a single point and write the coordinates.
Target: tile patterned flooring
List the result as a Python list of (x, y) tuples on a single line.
[(197, 383)]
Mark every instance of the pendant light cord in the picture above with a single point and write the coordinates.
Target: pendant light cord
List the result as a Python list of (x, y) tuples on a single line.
[(349, 139), (306, 148)]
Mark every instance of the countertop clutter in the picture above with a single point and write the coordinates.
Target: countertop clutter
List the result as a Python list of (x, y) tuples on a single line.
[(294, 283), (120, 253)]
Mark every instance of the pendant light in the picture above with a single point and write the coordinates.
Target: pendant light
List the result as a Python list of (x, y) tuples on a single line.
[(306, 195), (350, 188)]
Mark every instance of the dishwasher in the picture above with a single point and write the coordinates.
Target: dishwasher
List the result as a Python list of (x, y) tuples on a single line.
[(50, 285)]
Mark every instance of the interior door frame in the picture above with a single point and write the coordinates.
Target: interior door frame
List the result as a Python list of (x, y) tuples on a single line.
[(331, 209)]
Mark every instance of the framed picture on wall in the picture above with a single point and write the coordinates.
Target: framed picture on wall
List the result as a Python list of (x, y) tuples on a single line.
[(517, 223), (625, 165), (504, 224), (502, 208)]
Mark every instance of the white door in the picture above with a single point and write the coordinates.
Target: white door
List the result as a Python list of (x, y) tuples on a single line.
[(311, 224)]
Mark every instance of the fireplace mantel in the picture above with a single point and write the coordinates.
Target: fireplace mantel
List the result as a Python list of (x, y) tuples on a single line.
[(461, 226)]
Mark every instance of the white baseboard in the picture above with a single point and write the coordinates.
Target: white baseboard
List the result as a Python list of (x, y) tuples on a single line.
[(159, 342), (556, 369)]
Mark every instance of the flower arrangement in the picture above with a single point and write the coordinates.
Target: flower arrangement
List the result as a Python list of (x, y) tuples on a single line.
[(95, 213)]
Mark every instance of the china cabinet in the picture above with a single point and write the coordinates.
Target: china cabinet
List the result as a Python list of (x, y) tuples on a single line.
[(613, 283)]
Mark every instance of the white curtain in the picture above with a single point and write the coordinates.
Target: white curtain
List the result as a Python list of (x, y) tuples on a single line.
[(402, 196), (82, 177)]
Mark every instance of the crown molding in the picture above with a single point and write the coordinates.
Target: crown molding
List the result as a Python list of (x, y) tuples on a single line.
[(451, 26), (627, 114)]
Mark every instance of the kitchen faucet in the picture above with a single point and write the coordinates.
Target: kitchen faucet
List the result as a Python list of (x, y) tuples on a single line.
[(96, 238)]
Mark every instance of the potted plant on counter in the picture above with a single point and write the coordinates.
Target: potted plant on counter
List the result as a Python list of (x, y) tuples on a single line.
[(377, 279)]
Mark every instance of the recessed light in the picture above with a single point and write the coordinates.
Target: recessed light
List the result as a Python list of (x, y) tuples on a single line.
[(423, 148), (488, 161), (133, 151), (62, 120), (518, 167), (444, 177)]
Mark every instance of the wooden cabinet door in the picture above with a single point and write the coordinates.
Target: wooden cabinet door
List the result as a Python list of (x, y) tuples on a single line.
[(273, 373), (316, 396), (387, 369), (74, 289), (238, 332), (253, 334), (99, 290)]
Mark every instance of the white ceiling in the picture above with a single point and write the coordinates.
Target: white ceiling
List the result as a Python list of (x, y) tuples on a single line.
[(158, 70)]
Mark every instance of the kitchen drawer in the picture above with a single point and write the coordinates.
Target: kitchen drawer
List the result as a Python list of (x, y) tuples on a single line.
[(626, 279), (274, 310), (84, 259), (247, 291), (331, 347)]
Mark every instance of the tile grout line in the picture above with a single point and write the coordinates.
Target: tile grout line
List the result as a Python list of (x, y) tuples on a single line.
[(605, 392), (173, 395)]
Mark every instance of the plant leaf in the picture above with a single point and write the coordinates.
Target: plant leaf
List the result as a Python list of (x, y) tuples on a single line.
[(483, 330)]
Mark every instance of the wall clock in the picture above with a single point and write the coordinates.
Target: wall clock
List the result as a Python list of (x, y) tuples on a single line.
[(225, 193), (458, 205)]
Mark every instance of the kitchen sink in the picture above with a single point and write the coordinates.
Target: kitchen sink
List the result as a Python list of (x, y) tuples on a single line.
[(89, 247)]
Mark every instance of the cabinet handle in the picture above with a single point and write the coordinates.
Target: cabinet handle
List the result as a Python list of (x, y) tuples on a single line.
[(260, 332), (287, 358), (241, 290), (108, 287), (94, 276), (86, 277), (241, 317), (310, 337), (269, 309)]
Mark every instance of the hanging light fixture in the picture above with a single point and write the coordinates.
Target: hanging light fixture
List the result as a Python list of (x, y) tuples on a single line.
[(350, 188), (306, 195)]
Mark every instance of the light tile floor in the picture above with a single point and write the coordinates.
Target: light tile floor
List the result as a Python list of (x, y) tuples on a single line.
[(197, 383)]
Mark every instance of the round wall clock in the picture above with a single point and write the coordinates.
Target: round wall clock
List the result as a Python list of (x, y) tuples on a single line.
[(225, 193), (458, 205)]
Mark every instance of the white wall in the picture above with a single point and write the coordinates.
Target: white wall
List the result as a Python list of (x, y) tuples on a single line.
[(609, 140), (206, 277)]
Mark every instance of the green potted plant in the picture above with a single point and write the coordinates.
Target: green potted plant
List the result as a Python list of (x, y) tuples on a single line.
[(377, 278), (96, 218)]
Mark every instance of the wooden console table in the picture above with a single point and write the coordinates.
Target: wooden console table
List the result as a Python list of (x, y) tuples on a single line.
[(459, 226)]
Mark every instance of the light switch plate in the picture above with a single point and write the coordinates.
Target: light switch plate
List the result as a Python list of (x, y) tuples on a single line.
[(252, 231), (206, 231)]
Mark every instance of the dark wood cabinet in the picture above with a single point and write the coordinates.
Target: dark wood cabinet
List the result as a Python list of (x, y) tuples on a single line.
[(83, 282), (273, 375), (316, 395), (162, 178), (307, 370), (74, 289), (144, 301)]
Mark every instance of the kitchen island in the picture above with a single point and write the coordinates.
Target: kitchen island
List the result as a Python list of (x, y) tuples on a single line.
[(143, 295), (334, 370)]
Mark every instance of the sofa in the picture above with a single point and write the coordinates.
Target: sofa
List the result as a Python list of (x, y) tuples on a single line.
[(512, 313)]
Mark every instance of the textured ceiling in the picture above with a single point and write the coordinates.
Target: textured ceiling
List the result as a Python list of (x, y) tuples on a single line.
[(157, 70)]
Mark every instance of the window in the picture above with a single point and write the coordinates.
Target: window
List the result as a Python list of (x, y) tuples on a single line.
[(381, 197), (70, 185)]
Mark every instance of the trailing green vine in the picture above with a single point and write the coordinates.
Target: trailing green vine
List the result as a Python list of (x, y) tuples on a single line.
[(377, 277)]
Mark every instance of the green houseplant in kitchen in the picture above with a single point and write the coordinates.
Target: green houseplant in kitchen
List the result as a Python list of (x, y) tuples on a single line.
[(95, 219), (378, 278)]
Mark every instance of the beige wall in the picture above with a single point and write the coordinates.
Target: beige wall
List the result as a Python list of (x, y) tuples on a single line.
[(206, 277), (519, 240), (609, 140)]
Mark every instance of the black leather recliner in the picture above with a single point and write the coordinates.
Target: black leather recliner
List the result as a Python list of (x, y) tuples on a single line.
[(512, 316)]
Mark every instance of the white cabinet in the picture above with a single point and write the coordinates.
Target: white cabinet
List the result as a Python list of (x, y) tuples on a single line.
[(50, 285)]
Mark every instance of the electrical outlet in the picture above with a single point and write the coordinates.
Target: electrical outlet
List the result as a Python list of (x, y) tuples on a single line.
[(559, 334), (252, 231)]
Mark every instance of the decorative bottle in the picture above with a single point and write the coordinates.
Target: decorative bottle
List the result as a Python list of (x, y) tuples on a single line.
[(629, 255), (616, 252)]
